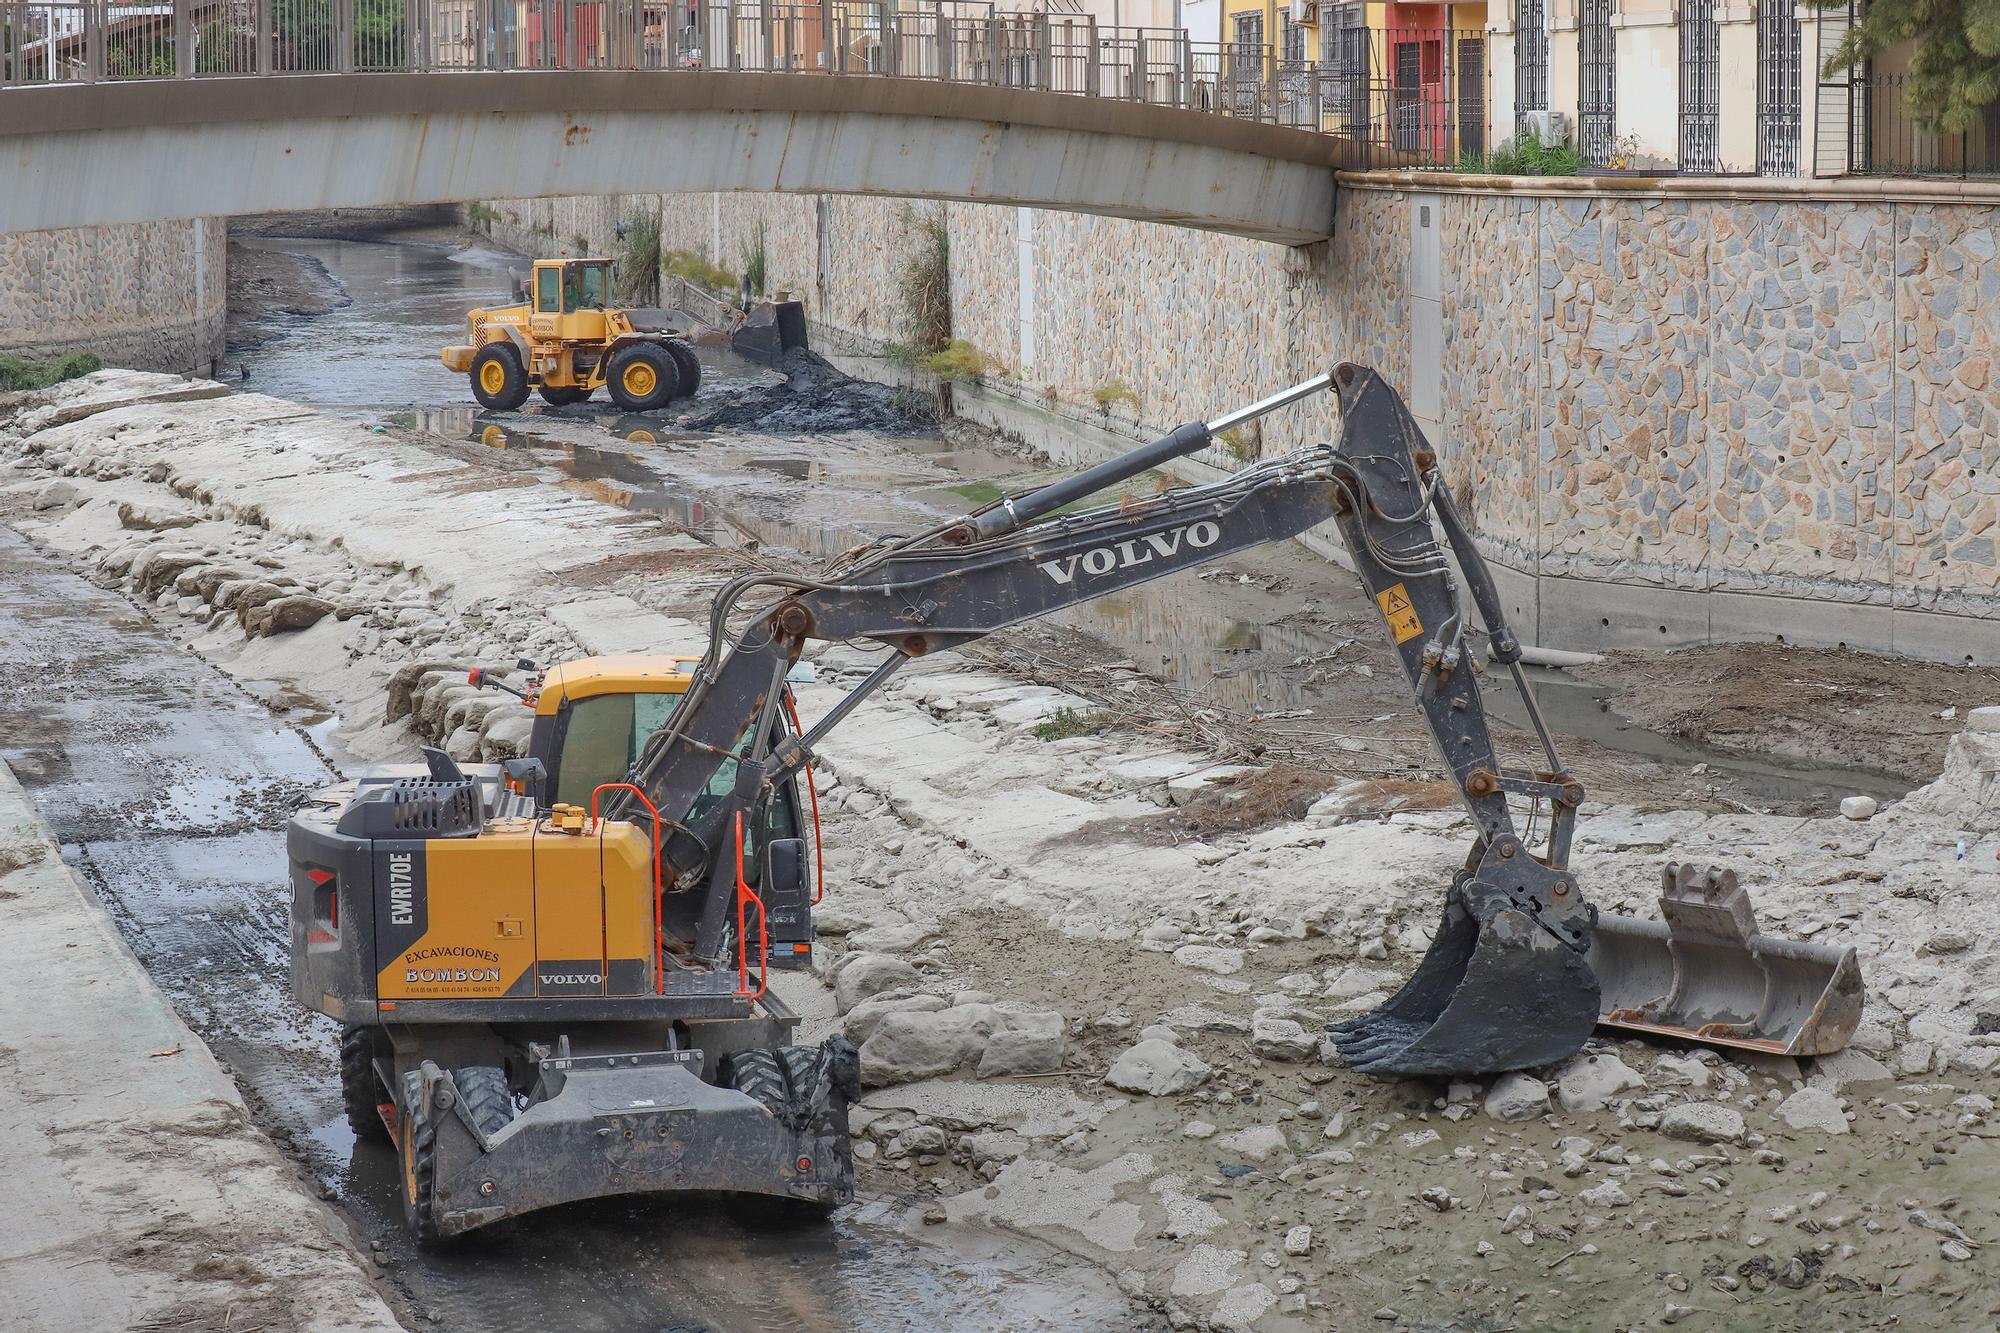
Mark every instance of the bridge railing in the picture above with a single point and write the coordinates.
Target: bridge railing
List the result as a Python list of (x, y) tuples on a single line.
[(958, 41)]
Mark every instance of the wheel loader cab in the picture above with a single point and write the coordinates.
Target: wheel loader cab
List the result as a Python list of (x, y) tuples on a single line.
[(570, 299)]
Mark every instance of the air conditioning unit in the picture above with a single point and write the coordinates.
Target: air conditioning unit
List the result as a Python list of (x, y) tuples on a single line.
[(1548, 127)]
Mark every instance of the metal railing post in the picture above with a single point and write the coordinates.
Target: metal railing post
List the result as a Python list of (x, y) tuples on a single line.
[(343, 36), (183, 39), (1090, 57), (263, 22), (832, 54), (943, 44), (93, 39)]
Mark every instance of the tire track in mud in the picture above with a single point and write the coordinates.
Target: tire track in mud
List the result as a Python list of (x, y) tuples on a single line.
[(169, 785)]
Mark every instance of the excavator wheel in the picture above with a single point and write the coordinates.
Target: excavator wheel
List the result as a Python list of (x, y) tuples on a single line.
[(562, 395), (416, 1149), (488, 1099), (498, 381), (690, 368), (760, 1076), (643, 376), (361, 1090)]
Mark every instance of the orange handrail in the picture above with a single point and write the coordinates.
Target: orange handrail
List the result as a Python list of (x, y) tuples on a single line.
[(744, 892), (659, 892), (819, 847)]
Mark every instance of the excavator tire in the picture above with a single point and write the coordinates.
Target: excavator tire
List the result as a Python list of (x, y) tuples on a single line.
[(498, 380), (416, 1155), (487, 1098), (690, 368), (562, 395), (760, 1076), (361, 1090), (643, 376)]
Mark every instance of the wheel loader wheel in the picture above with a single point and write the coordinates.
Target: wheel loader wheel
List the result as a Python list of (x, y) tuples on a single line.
[(643, 376), (361, 1090), (690, 368), (498, 381), (562, 395), (416, 1153)]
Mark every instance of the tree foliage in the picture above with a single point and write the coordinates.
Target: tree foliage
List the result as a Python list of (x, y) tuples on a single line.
[(1955, 68)]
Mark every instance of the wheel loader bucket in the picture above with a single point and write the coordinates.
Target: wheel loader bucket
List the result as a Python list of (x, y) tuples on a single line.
[(1488, 997), (1705, 973)]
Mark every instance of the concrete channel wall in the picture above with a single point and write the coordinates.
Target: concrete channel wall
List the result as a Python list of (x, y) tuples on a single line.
[(1679, 411), (149, 296)]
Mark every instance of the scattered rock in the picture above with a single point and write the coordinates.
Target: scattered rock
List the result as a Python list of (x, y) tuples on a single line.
[(1680, 1071), (286, 613), (1281, 1038), (1021, 1052), (1703, 1122), (1257, 1143), (860, 975), (1588, 1082), (56, 495), (1857, 807), (1813, 1108), (1946, 942), (1198, 1129), (1157, 1069), (1299, 1241), (1517, 1097), (859, 1024), (1607, 1195), (1210, 958)]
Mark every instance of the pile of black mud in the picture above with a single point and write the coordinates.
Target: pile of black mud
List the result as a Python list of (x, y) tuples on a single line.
[(814, 399)]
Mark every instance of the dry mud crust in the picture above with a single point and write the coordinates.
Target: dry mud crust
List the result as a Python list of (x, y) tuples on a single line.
[(1829, 705)]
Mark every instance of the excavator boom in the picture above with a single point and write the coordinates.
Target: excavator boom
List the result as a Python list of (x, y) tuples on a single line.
[(1508, 982)]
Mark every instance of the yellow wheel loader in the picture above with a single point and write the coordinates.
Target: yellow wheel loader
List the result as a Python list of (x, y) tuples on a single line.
[(553, 974), (567, 341)]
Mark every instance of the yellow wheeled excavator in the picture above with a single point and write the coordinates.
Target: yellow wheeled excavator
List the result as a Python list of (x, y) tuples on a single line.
[(553, 973)]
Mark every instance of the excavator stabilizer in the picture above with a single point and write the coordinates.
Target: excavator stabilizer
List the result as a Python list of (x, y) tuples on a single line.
[(1706, 973)]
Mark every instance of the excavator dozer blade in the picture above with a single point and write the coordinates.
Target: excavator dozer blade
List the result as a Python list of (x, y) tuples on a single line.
[(1505, 994), (1705, 973)]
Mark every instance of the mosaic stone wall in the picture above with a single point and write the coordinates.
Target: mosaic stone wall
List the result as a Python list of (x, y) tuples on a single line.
[(1684, 394), (151, 296)]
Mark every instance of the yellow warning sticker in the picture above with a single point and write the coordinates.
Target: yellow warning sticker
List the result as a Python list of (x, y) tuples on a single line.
[(1402, 617)]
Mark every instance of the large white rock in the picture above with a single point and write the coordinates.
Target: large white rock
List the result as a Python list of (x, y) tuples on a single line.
[(1257, 1143), (1588, 1082), (859, 1024), (1703, 1122), (907, 1045), (1021, 1052), (1157, 1069), (1857, 807), (1607, 1195), (1210, 958), (861, 975), (1813, 1108), (1517, 1097), (1277, 1038)]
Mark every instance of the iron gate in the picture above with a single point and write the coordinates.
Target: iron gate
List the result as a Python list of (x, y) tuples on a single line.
[(1471, 95), (1531, 61), (1597, 83), (1779, 72), (1701, 89)]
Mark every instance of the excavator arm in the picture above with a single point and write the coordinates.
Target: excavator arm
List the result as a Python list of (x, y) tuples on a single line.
[(1507, 982)]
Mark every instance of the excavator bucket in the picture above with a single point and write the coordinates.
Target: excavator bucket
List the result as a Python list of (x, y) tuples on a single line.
[(1490, 995), (1706, 973)]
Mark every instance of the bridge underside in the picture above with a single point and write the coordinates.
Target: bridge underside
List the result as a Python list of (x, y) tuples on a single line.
[(85, 154)]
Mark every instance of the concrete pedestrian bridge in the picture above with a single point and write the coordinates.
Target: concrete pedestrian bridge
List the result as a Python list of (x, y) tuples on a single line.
[(121, 151)]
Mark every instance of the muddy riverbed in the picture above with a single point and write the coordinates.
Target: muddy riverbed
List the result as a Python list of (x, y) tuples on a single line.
[(1024, 884)]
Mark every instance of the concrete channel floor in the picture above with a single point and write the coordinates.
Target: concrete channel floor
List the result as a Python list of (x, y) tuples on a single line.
[(168, 787)]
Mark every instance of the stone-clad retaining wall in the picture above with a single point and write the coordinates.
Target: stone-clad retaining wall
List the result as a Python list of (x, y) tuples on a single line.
[(153, 296), (1704, 410)]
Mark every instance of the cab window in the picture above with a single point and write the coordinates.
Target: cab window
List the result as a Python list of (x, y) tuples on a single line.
[(584, 287), (547, 290)]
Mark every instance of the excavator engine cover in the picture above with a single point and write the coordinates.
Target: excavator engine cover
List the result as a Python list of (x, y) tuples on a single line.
[(1707, 974)]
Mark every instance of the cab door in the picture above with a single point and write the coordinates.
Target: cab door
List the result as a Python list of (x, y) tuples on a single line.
[(546, 316)]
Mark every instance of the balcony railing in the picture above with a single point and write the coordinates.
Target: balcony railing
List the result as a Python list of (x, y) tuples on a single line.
[(1886, 139)]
